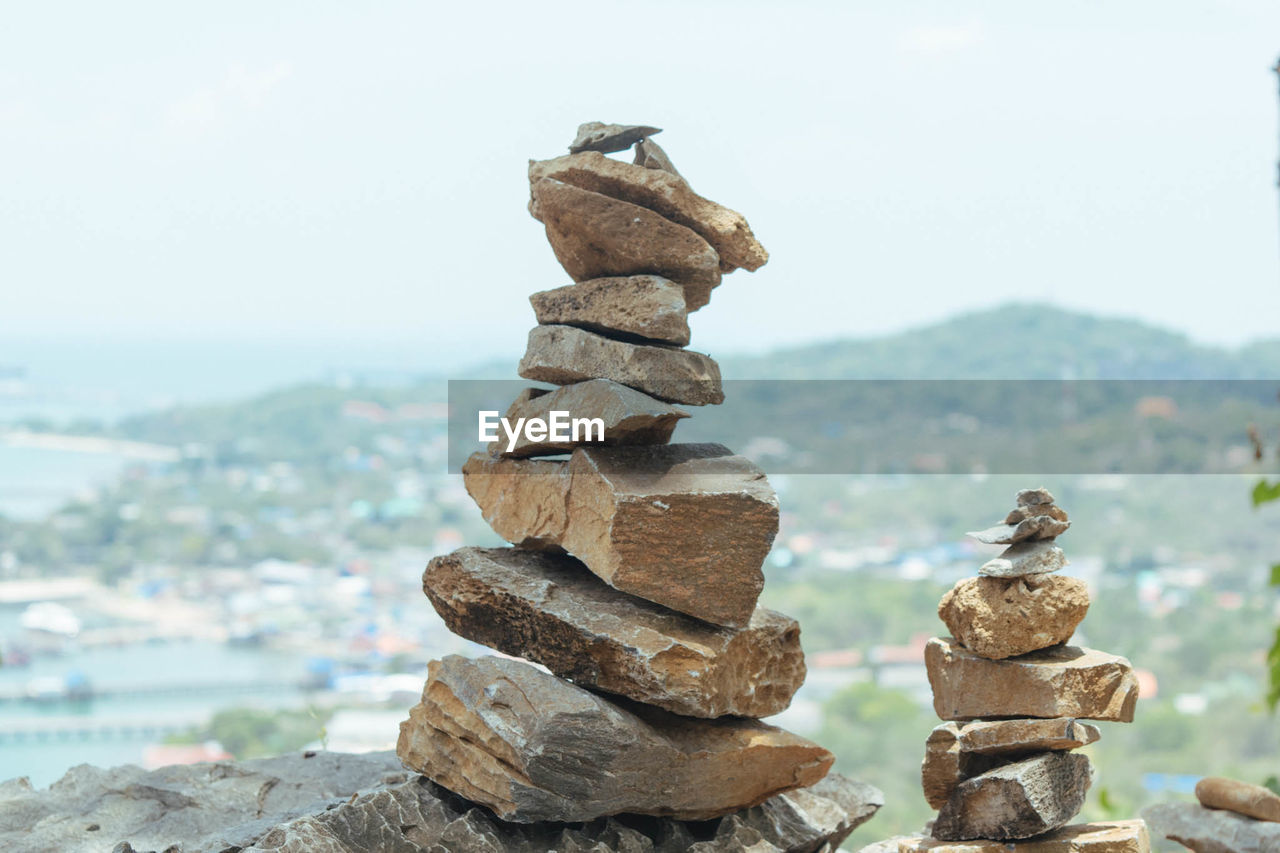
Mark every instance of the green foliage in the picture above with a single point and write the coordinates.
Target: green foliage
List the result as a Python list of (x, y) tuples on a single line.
[(1264, 492)]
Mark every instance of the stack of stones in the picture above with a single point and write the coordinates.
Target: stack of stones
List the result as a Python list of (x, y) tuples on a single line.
[(1016, 697), (637, 563)]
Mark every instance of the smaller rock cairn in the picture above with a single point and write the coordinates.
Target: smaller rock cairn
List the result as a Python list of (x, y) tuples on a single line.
[(637, 563), (1231, 815), (1015, 697)]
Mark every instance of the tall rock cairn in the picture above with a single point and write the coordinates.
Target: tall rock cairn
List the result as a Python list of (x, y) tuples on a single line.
[(1015, 697), (637, 563)]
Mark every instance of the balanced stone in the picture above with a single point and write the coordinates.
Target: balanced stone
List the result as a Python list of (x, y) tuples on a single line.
[(650, 155), (629, 417), (1036, 557), (955, 752), (1030, 527), (1255, 801), (533, 747), (563, 355), (548, 608), (1033, 497), (1212, 830), (1123, 836), (664, 193), (594, 235), (1024, 512), (687, 526), (1003, 617), (1060, 681), (640, 306), (609, 138), (1019, 800)]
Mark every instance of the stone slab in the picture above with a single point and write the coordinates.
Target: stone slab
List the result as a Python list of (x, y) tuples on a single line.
[(1123, 836), (641, 308), (1212, 830)]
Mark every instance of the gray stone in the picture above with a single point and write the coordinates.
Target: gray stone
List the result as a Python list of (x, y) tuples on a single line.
[(1121, 836), (1033, 527), (1212, 830), (1036, 557), (647, 307), (609, 138), (550, 609), (650, 155), (1019, 800), (563, 355), (630, 418), (533, 747)]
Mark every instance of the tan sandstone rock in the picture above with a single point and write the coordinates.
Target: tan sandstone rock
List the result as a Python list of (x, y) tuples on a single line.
[(533, 747), (1003, 617), (1024, 512), (608, 138), (594, 235), (1034, 497), (1123, 836), (1034, 557), (550, 609), (643, 306), (629, 417), (955, 752), (1255, 801), (1060, 681), (687, 526), (1018, 800), (563, 355), (665, 193)]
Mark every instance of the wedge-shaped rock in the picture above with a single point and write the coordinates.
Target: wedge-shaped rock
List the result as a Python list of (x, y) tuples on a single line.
[(1212, 830), (1124, 836), (1003, 617), (1029, 527), (1019, 800), (687, 526), (1061, 681), (594, 235), (650, 155), (629, 417), (1255, 801), (533, 747), (955, 752), (663, 192), (550, 609), (1036, 557), (640, 306), (610, 138), (563, 355)]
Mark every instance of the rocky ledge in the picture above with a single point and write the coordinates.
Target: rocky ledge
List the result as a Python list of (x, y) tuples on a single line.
[(326, 802)]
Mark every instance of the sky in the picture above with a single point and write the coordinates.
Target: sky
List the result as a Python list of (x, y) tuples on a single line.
[(349, 179)]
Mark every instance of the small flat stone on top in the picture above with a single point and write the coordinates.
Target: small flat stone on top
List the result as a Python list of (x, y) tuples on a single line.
[(1035, 557), (1255, 801), (648, 307), (609, 138), (1034, 497)]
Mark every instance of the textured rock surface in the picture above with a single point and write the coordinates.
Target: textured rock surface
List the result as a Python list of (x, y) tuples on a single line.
[(662, 192), (549, 608), (609, 138), (1028, 527), (1024, 512), (203, 807), (1026, 558), (1018, 800), (1061, 681), (629, 416), (1212, 830), (957, 751), (1002, 617), (1034, 497), (1124, 836), (534, 747), (650, 155), (685, 525), (1217, 792), (594, 235), (644, 306), (563, 355)]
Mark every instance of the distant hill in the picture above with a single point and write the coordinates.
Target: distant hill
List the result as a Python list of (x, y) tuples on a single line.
[(1019, 341)]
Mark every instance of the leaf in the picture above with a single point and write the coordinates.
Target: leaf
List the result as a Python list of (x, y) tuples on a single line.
[(1272, 784), (1265, 492), (1273, 673), (1275, 575)]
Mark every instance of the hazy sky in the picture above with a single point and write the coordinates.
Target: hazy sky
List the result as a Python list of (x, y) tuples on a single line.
[(353, 175)]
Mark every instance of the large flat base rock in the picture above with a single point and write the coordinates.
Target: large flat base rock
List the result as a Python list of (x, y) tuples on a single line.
[(1124, 836), (533, 747), (1212, 830), (342, 803)]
